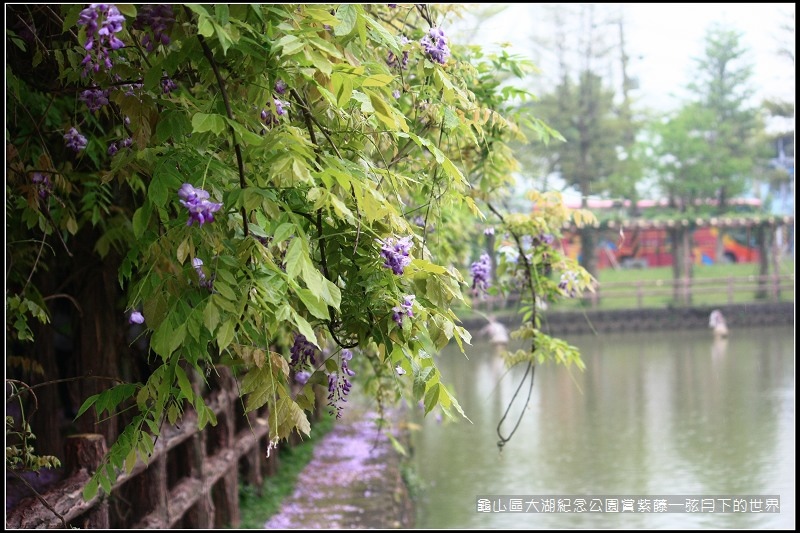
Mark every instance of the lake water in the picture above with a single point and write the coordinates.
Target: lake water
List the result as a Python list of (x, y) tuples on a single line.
[(665, 414)]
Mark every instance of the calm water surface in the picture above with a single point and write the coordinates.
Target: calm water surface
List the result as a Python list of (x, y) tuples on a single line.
[(670, 413)]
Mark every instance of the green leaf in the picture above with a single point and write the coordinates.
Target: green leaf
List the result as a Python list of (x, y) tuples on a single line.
[(421, 379), (385, 112), (431, 398), (259, 386), (87, 404), (290, 44), (305, 328), (202, 122), (294, 258), (283, 232), (141, 218), (378, 80), (347, 14), (225, 291), (342, 87), (211, 316), (184, 384), (331, 294), (386, 38), (313, 303), (130, 461), (205, 27), (225, 334), (90, 490), (427, 266), (183, 250), (198, 9), (129, 10), (161, 340)]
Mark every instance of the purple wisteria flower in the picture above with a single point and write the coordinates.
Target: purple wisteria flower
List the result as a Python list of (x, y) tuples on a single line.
[(280, 87), (488, 231), (347, 355), (113, 148), (567, 285), (201, 210), (155, 20), (481, 273), (404, 309), (302, 377), (302, 352), (339, 385), (435, 45), (131, 88), (395, 253), (168, 85), (543, 238), (102, 21), (396, 94), (43, 185), (94, 99), (270, 119), (75, 141), (392, 59), (205, 282), (136, 318)]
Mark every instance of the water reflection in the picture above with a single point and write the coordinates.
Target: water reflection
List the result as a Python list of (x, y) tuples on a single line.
[(673, 413)]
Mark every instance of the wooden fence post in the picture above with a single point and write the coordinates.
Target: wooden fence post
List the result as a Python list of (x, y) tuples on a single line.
[(87, 450)]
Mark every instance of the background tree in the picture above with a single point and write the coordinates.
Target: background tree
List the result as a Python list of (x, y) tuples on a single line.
[(723, 86), (706, 151), (598, 156)]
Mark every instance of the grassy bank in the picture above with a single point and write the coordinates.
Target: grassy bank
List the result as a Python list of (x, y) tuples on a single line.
[(257, 508)]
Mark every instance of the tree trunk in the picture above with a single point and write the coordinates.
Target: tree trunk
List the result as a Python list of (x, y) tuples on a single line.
[(99, 337), (763, 241)]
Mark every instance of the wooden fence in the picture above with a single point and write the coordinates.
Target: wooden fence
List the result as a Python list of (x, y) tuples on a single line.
[(685, 291), (191, 480), (660, 293)]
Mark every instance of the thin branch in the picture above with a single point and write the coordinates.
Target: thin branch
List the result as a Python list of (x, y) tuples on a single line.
[(531, 367), (39, 497), (25, 386), (229, 111), (68, 297), (318, 222)]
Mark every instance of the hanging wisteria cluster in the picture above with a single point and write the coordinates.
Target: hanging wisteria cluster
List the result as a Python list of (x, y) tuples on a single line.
[(94, 99), (568, 284), (201, 209), (392, 59), (155, 20), (435, 45), (271, 119), (102, 22), (404, 309), (303, 353), (74, 140), (204, 281), (339, 385), (481, 274), (43, 185), (395, 253)]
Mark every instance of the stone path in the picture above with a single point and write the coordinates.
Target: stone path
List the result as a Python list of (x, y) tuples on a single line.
[(352, 482)]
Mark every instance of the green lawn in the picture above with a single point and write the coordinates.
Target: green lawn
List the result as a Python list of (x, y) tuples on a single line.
[(618, 288)]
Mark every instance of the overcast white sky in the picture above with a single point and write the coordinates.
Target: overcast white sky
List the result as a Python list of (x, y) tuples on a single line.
[(663, 38)]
